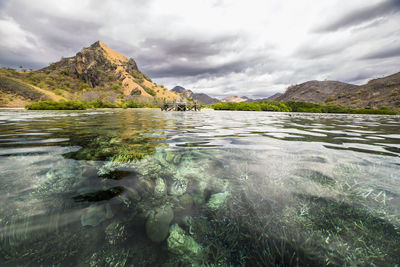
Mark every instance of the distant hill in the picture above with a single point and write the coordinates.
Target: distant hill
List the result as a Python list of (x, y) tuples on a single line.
[(204, 98), (236, 99), (377, 93), (270, 98), (94, 73), (273, 97)]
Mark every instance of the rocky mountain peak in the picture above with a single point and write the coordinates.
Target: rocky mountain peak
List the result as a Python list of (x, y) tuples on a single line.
[(97, 63), (101, 67)]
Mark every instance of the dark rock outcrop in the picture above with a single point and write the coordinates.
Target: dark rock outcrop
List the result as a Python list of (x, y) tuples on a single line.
[(135, 92)]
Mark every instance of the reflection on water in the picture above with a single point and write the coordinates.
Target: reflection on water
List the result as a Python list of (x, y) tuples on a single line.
[(146, 188)]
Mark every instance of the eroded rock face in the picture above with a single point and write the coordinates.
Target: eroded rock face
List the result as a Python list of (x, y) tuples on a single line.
[(93, 64), (96, 63), (157, 225), (89, 65), (131, 66)]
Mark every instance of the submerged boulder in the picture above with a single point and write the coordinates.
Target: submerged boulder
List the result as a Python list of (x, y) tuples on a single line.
[(185, 246), (160, 188), (186, 201), (96, 214), (157, 225)]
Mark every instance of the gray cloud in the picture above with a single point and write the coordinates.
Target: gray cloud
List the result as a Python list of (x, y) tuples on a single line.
[(384, 53), (225, 48), (313, 51), (190, 57), (364, 14)]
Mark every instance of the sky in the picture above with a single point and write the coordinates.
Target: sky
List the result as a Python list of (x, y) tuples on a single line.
[(251, 48)]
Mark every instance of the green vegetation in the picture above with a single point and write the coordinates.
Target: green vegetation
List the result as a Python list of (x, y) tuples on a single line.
[(149, 90), (133, 104), (391, 83), (11, 86), (53, 105), (49, 79), (116, 87), (293, 106), (82, 105), (58, 92), (254, 106), (147, 78), (68, 105)]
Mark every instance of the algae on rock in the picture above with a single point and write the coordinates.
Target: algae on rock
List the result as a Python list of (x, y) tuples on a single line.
[(217, 201), (185, 246)]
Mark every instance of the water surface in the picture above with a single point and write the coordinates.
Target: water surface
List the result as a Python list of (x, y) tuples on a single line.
[(143, 187)]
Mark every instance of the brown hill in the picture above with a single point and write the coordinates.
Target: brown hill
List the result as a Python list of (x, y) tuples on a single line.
[(95, 73), (377, 93), (236, 99)]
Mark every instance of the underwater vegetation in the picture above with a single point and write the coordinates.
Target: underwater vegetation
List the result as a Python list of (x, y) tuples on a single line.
[(107, 147), (170, 211), (118, 194)]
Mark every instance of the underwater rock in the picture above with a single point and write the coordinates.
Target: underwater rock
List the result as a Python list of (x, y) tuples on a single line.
[(96, 214), (184, 245), (217, 200), (132, 194), (178, 187), (169, 156), (177, 159), (160, 188), (202, 186), (145, 185), (157, 225), (198, 199), (186, 201)]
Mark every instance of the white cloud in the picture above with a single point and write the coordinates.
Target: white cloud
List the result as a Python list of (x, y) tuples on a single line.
[(220, 47), (13, 37)]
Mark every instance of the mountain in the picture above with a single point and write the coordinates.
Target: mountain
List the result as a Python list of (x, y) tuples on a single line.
[(236, 99), (94, 73), (206, 99), (377, 93), (273, 97)]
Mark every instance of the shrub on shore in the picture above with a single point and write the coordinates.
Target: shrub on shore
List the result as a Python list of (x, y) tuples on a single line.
[(82, 105), (253, 106), (292, 106), (53, 105), (68, 105)]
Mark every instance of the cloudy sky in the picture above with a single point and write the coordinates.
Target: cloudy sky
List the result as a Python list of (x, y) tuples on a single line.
[(219, 47)]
